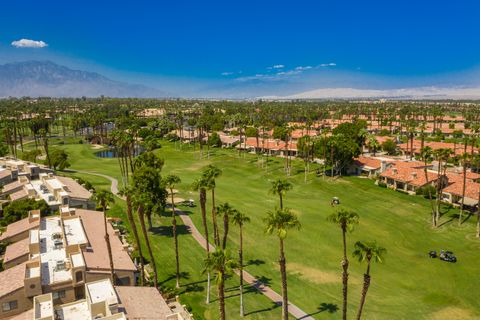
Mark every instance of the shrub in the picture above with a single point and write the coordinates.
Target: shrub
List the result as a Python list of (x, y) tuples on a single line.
[(424, 191), (382, 184), (18, 210)]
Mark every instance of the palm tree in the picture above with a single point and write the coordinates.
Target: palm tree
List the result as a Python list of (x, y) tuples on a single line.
[(367, 251), (104, 197), (373, 144), (170, 181), (147, 183), (465, 157), (127, 193), (225, 210), (211, 172), (280, 188), (240, 219), (278, 222), (427, 155), (476, 160), (222, 265), (201, 185), (346, 220)]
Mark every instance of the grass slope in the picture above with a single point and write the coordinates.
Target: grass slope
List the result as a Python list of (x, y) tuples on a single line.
[(408, 286)]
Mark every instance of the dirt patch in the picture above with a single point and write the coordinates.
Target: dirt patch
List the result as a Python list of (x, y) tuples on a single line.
[(314, 275), (453, 313), (97, 146)]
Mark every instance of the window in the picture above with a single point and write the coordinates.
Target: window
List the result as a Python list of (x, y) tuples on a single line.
[(11, 305), (79, 276), (58, 294)]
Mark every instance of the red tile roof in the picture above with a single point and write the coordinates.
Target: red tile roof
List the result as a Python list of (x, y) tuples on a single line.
[(367, 162), (410, 172), (471, 189)]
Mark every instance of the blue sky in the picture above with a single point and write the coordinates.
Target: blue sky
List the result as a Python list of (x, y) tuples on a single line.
[(231, 43)]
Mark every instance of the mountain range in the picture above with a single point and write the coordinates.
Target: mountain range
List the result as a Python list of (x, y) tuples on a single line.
[(46, 78)]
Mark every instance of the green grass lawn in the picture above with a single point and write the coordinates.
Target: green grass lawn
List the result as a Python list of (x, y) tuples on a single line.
[(409, 285)]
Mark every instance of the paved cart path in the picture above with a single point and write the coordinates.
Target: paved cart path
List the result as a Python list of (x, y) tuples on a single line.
[(260, 286)]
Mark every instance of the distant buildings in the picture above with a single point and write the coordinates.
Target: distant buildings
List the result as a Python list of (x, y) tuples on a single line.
[(409, 176)]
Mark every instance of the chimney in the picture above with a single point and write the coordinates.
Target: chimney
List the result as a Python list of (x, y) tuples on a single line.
[(414, 175), (395, 171)]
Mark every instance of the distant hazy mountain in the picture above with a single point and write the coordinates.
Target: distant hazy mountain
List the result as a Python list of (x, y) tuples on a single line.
[(429, 93), (45, 78)]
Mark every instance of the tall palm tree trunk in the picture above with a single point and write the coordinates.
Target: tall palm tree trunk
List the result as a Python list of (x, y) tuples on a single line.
[(203, 202), (464, 185), (344, 274), (141, 216), (109, 247), (216, 236), (366, 284), (221, 296), (225, 230), (133, 225), (240, 261), (283, 272), (434, 221), (478, 215), (174, 231)]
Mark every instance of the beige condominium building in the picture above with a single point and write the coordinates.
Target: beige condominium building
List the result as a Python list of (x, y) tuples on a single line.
[(57, 191), (58, 255), (103, 301)]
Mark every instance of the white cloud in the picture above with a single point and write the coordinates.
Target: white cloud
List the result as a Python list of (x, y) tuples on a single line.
[(301, 68), (331, 64), (27, 43), (227, 73), (276, 66)]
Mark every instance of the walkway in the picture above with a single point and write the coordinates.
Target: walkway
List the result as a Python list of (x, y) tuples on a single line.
[(260, 286)]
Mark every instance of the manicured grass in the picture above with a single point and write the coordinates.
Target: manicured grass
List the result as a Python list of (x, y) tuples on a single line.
[(193, 289), (409, 285)]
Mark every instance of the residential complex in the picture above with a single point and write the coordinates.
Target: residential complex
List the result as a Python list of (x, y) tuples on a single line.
[(30, 181), (58, 255), (103, 301)]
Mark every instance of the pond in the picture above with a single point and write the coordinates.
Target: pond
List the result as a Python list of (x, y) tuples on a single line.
[(112, 153)]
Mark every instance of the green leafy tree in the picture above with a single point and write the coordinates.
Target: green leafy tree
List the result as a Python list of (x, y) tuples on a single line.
[(389, 146), (214, 140), (59, 159), (18, 210), (3, 150), (31, 155)]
